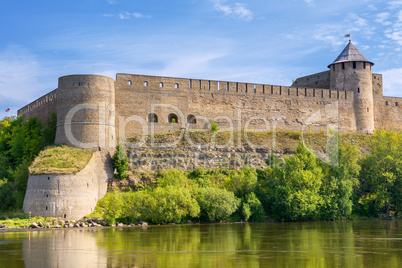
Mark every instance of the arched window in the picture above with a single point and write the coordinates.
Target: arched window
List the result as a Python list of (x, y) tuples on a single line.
[(191, 119), (145, 84), (386, 103), (173, 118), (129, 82), (152, 118), (176, 85), (160, 84)]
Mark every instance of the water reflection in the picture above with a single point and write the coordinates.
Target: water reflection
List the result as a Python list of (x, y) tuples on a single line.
[(316, 244)]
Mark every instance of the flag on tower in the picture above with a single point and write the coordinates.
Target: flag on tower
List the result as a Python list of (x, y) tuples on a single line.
[(347, 35), (8, 110)]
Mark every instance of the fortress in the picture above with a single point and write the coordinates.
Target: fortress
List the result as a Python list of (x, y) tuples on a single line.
[(96, 111)]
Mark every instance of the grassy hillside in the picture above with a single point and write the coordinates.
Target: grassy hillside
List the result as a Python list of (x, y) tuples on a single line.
[(60, 160)]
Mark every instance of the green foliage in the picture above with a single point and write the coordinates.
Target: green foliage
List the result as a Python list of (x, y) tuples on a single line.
[(20, 142), (160, 205), (120, 162), (112, 206), (252, 209), (6, 199), (293, 191), (242, 182), (380, 191), (49, 131), (172, 177), (340, 180), (214, 126), (216, 204)]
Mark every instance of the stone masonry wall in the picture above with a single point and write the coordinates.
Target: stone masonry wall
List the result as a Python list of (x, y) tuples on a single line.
[(231, 105), (69, 196), (318, 80), (41, 107), (388, 113)]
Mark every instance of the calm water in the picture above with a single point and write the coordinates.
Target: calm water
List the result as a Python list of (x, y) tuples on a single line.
[(317, 244)]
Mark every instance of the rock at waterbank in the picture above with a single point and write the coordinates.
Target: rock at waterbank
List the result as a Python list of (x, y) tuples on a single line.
[(40, 224), (3, 226), (34, 225), (144, 224)]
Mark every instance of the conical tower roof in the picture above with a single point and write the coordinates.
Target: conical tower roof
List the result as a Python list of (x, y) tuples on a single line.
[(350, 53)]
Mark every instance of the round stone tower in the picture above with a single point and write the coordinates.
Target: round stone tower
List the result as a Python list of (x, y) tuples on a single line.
[(351, 71), (86, 112)]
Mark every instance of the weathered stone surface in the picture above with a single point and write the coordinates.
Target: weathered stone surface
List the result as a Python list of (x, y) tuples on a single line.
[(69, 196)]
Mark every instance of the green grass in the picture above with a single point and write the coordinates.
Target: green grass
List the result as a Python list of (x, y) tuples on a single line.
[(60, 160), (20, 220)]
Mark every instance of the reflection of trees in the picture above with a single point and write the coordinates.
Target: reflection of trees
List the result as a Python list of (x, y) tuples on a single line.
[(307, 244)]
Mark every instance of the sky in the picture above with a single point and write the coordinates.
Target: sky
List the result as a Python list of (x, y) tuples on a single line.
[(255, 41)]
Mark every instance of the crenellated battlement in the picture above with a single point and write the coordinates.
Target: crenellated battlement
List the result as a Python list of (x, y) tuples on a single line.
[(347, 95), (184, 85)]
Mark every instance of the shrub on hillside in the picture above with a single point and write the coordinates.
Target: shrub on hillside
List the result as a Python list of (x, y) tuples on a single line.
[(216, 204)]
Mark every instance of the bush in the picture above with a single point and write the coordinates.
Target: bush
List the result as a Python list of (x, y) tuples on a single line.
[(162, 205), (214, 126), (216, 204)]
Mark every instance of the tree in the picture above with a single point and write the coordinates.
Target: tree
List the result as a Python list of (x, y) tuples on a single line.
[(120, 162), (49, 131), (380, 189), (340, 180), (293, 191)]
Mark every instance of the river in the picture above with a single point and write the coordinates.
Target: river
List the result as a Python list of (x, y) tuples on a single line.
[(302, 244)]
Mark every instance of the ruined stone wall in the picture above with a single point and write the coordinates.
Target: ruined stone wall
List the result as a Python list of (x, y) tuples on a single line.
[(41, 107), (69, 196), (318, 80), (231, 105)]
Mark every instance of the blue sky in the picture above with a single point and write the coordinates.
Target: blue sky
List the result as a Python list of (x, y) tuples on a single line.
[(256, 41)]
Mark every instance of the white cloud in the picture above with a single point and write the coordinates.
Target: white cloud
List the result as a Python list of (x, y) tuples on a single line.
[(395, 35), (359, 21), (19, 71), (238, 10), (331, 34), (394, 4), (112, 2), (400, 15), (127, 15), (372, 8), (310, 3), (392, 82), (382, 18)]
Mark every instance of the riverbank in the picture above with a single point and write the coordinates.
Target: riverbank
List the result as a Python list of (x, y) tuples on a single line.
[(21, 222)]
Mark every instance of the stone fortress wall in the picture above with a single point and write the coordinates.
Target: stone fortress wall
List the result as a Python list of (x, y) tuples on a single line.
[(69, 196), (96, 111)]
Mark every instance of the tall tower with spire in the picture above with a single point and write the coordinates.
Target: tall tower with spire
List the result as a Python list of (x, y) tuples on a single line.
[(351, 71)]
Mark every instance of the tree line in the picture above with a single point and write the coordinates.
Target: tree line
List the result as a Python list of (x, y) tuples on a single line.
[(20, 142), (298, 187)]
